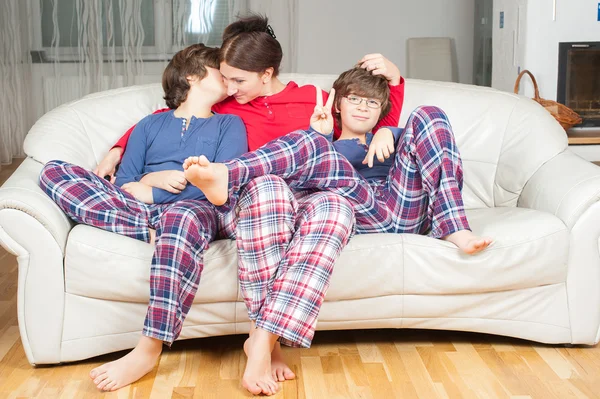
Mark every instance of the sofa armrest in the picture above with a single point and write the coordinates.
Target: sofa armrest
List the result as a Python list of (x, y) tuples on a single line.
[(21, 192), (566, 186), (34, 228)]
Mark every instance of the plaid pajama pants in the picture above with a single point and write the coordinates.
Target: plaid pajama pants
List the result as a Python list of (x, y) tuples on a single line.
[(288, 243), (183, 231), (422, 193)]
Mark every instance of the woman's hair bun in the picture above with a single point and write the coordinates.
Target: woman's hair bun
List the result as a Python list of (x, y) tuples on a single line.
[(249, 24)]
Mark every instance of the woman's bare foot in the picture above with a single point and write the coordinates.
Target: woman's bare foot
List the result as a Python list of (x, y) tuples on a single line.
[(257, 377), (210, 177), (468, 242), (279, 369), (130, 368)]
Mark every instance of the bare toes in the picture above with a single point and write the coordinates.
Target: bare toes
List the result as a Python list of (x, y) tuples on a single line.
[(264, 388), (280, 376), (95, 373), (274, 386), (289, 375), (103, 384), (254, 389), (111, 387), (203, 161), (100, 378)]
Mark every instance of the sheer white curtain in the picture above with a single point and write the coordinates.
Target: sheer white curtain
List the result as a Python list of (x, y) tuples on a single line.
[(15, 79), (84, 46), (103, 38)]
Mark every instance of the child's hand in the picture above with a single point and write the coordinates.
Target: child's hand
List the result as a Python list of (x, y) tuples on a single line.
[(140, 191), (381, 146), (321, 119), (108, 165), (172, 181), (379, 65)]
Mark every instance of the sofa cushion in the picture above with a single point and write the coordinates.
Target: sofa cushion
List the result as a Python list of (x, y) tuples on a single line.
[(530, 249), (104, 265)]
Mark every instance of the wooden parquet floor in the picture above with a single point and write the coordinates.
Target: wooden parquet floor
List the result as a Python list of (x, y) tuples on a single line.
[(346, 364)]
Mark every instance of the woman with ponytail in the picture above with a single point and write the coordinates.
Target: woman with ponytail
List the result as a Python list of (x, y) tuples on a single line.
[(288, 241)]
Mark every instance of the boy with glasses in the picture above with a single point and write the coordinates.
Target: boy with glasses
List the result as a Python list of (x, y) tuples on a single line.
[(418, 190)]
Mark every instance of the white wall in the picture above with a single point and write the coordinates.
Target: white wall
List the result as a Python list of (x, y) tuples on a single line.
[(335, 34), (360, 27), (576, 20), (508, 42)]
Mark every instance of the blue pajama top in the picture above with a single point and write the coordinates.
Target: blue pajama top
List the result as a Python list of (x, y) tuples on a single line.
[(355, 152), (161, 142)]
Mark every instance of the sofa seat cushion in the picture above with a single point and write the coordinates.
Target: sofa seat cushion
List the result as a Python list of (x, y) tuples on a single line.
[(530, 249), (104, 265)]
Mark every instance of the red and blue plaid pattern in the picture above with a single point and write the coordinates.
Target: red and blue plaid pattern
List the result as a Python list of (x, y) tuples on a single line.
[(422, 193), (288, 243), (183, 231)]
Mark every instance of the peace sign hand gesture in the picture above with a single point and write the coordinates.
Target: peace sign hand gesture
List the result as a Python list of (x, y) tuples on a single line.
[(321, 119)]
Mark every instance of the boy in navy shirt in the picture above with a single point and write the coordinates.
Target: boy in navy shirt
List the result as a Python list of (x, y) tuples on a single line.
[(152, 201), (416, 190)]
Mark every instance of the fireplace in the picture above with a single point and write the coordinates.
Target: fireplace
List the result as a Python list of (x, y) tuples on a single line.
[(579, 80)]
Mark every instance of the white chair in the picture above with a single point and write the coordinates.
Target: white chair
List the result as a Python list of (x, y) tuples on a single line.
[(430, 58)]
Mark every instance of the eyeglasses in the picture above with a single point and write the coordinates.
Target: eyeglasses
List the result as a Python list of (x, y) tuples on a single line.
[(355, 100)]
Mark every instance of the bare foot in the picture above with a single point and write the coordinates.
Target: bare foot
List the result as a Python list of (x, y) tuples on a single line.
[(257, 377), (279, 369), (468, 242), (130, 368), (211, 178)]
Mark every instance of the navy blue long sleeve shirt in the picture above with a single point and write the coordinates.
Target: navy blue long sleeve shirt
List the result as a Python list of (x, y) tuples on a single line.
[(355, 152), (160, 142)]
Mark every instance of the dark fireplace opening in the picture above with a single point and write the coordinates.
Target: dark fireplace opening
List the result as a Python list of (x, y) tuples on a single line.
[(579, 80)]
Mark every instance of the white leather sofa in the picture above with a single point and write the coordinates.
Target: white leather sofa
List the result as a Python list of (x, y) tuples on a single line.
[(83, 291)]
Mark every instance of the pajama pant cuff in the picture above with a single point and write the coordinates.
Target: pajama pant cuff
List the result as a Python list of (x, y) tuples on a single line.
[(287, 337), (234, 188), (449, 226), (167, 337)]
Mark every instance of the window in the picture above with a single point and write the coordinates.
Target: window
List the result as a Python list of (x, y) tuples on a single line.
[(159, 28), (199, 21)]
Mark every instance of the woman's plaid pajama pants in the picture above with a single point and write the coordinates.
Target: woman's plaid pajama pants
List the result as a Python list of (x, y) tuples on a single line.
[(288, 243)]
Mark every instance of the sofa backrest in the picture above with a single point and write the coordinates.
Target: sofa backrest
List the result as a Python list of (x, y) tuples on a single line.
[(503, 138)]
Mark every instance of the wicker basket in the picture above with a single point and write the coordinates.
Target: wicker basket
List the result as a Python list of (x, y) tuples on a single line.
[(563, 114)]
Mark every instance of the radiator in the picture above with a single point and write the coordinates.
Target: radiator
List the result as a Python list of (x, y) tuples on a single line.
[(63, 89)]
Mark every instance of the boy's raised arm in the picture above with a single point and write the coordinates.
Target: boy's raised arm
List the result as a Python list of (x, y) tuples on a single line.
[(397, 100), (380, 65)]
